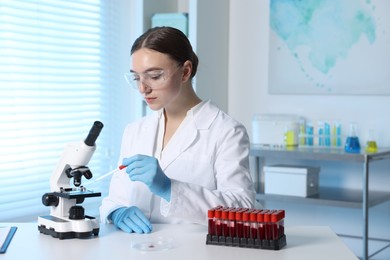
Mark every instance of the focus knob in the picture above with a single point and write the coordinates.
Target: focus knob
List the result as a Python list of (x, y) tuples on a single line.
[(76, 212), (49, 199)]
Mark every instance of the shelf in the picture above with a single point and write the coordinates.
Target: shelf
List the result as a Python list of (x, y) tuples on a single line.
[(332, 197), (318, 153)]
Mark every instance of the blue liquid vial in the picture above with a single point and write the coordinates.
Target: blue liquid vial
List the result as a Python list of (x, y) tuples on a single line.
[(327, 134), (338, 134), (309, 134), (321, 140), (352, 144)]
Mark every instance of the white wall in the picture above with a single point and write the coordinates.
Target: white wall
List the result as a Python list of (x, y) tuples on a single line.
[(248, 93), (209, 35)]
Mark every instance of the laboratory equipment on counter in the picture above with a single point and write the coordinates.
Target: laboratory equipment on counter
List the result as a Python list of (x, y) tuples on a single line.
[(325, 136), (276, 130), (352, 144), (371, 146), (309, 134), (336, 134), (244, 227), (66, 219)]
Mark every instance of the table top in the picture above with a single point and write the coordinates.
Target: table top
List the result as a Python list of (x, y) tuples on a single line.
[(180, 242)]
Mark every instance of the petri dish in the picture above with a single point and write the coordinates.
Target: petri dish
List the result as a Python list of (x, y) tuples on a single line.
[(153, 244)]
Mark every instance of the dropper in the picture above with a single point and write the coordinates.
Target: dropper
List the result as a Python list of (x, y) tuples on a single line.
[(106, 175)]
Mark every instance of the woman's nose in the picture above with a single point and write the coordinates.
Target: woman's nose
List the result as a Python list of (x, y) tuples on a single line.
[(143, 87)]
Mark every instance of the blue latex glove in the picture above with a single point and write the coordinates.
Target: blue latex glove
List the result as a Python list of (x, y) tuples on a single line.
[(131, 220), (147, 170)]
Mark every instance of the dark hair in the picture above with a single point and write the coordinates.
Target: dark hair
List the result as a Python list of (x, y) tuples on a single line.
[(170, 41)]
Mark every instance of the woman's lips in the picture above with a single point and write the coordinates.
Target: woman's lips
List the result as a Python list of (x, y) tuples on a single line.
[(149, 99)]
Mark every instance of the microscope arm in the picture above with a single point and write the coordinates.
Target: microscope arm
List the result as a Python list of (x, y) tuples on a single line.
[(75, 156)]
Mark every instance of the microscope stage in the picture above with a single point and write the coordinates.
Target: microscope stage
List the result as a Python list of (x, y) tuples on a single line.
[(77, 194)]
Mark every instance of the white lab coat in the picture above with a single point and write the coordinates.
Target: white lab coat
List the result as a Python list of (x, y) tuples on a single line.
[(207, 160)]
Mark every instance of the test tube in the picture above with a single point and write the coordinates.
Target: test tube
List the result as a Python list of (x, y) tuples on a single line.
[(246, 223), (268, 226), (321, 141), (302, 132), (211, 220), (309, 134), (232, 221), (218, 221), (327, 134), (260, 224), (225, 222), (277, 219), (253, 221), (239, 223), (338, 134)]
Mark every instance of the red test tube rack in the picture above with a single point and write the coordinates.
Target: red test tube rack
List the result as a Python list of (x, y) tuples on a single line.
[(244, 227)]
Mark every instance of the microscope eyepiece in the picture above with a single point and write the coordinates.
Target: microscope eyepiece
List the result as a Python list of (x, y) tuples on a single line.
[(93, 133)]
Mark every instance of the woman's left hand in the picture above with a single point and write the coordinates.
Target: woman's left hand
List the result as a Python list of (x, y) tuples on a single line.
[(147, 170)]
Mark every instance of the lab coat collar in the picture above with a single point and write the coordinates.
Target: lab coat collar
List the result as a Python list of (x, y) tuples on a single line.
[(204, 114), (199, 118)]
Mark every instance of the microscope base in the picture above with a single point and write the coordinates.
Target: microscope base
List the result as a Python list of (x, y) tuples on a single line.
[(66, 228)]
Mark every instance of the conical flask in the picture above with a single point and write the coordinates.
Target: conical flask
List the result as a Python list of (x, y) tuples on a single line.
[(371, 146), (352, 144)]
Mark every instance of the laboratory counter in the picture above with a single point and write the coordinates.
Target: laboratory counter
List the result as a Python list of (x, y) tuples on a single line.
[(169, 242)]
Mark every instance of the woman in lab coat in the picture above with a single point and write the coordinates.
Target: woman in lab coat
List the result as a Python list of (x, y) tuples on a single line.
[(183, 159)]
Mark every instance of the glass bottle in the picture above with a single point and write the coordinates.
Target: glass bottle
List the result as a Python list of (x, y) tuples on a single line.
[(352, 144), (371, 146)]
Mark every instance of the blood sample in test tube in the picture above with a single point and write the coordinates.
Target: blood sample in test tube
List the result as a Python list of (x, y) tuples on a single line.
[(281, 224), (246, 223), (232, 221), (277, 219), (218, 221), (268, 225), (211, 220), (261, 224), (253, 223), (239, 223), (225, 222)]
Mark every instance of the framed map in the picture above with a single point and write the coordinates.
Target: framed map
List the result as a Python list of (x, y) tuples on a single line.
[(329, 47)]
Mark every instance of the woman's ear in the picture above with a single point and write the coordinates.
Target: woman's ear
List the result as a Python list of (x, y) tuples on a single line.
[(187, 70)]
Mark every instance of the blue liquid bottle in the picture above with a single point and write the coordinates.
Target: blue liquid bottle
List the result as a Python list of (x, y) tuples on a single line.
[(352, 144)]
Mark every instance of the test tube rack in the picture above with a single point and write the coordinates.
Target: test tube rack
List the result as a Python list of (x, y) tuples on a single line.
[(248, 228)]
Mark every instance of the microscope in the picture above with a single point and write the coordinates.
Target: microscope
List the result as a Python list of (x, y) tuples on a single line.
[(67, 219)]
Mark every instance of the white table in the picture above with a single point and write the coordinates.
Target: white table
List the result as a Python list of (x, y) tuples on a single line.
[(188, 243)]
